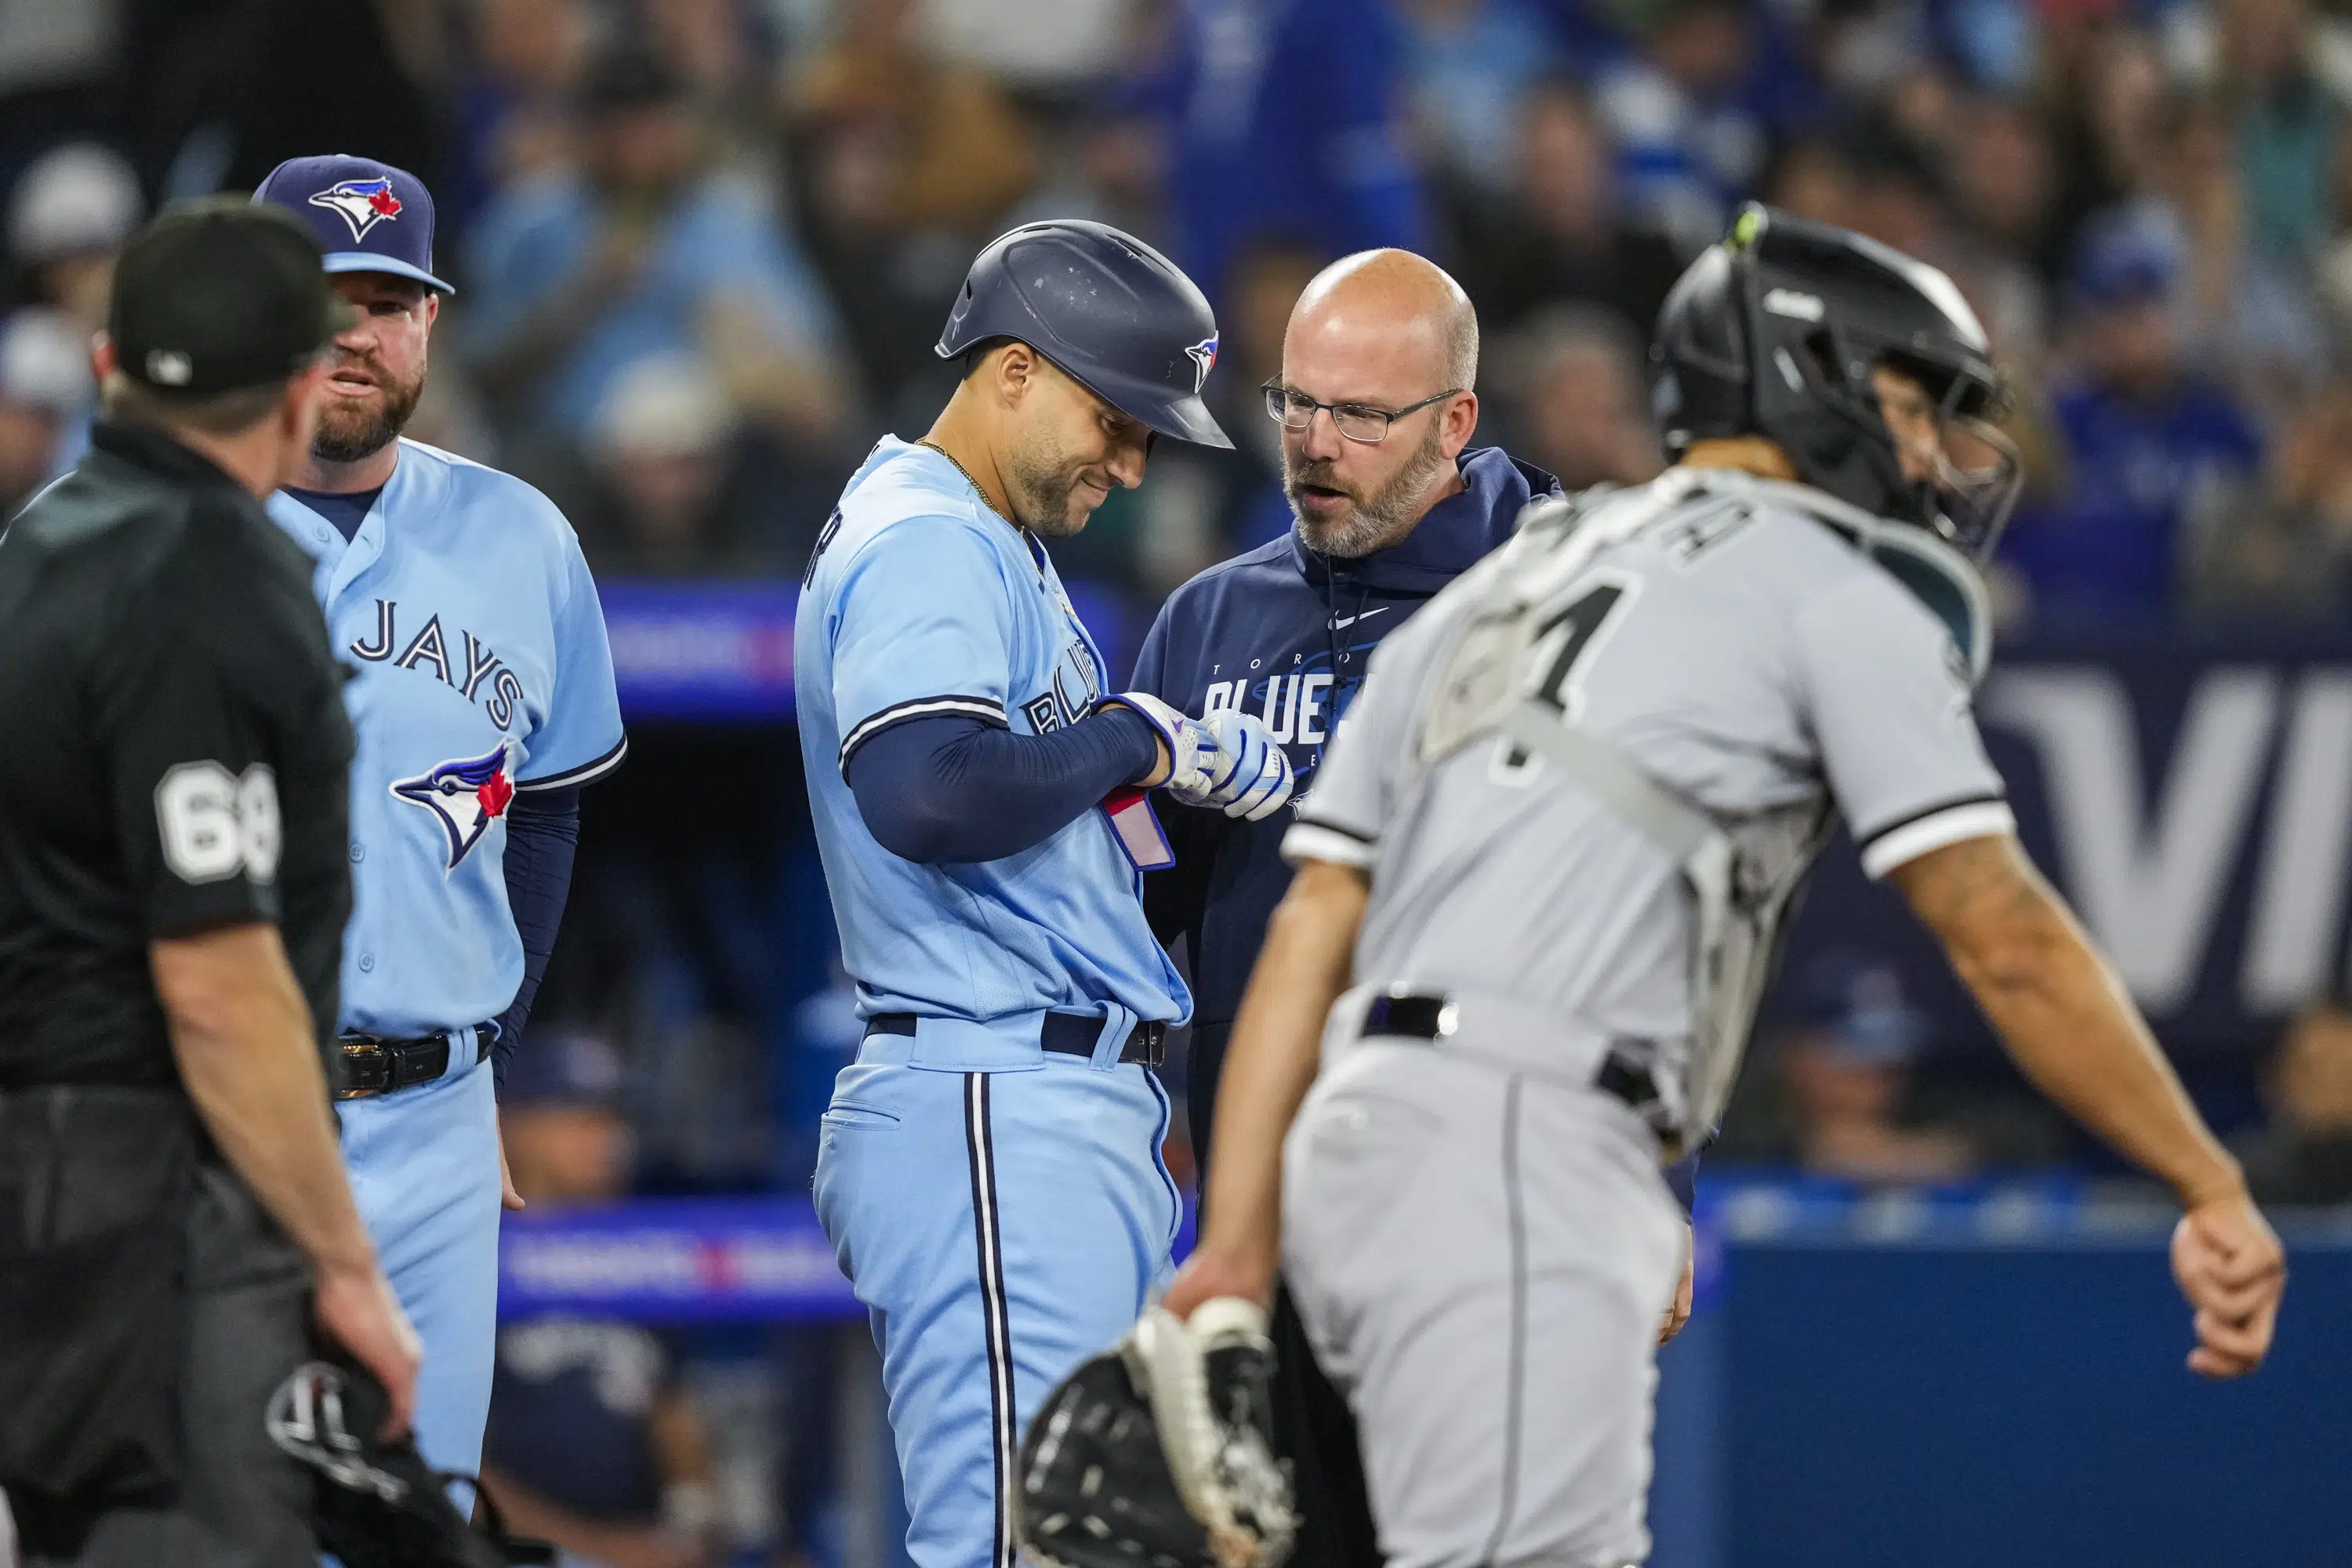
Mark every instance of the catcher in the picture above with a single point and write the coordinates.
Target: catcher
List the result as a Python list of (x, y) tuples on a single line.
[(1541, 876)]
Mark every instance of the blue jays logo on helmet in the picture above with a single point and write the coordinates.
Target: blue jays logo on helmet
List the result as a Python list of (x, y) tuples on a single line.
[(465, 796), (1205, 360), (363, 204)]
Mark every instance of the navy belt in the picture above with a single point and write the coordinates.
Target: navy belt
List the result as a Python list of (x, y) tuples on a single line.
[(1421, 1016), (1063, 1034), (373, 1066)]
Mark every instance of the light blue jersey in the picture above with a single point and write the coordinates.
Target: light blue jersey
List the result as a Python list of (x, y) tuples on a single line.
[(921, 601), (999, 1202), (466, 611), (479, 670)]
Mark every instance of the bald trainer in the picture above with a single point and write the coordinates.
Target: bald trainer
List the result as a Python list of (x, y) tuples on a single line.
[(1378, 402)]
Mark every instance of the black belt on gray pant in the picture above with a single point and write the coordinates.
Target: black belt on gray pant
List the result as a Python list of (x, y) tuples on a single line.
[(372, 1065), (1063, 1034), (1420, 1015)]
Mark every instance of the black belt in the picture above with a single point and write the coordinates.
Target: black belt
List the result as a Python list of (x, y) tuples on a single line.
[(373, 1065), (1421, 1017), (1064, 1033)]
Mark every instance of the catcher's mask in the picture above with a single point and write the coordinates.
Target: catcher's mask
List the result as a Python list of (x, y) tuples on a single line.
[(1776, 333)]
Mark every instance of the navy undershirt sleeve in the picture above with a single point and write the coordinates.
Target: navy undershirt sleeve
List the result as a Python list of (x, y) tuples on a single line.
[(957, 789), (543, 834)]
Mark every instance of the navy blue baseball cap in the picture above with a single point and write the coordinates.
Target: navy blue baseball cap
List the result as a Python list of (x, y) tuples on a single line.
[(566, 1066), (1858, 1004), (368, 216)]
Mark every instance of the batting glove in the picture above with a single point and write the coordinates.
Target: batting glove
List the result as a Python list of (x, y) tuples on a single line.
[(1228, 759)]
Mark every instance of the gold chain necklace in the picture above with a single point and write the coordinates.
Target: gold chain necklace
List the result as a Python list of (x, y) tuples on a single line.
[(960, 469)]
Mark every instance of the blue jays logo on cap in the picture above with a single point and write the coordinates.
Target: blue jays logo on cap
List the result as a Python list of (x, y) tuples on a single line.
[(465, 796), (366, 216), (1205, 360), (363, 204)]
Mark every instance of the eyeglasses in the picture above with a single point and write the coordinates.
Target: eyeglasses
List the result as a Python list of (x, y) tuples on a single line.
[(1356, 421)]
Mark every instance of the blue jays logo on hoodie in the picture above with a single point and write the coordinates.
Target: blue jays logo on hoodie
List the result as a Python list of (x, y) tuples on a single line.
[(362, 203), (465, 796)]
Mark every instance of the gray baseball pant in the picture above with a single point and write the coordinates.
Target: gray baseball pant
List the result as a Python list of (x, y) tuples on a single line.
[(1482, 1256)]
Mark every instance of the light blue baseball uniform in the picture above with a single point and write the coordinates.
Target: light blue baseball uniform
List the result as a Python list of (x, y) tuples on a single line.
[(480, 669), (1001, 1210)]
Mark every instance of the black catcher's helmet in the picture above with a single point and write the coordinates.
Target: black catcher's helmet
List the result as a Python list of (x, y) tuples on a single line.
[(1774, 332), (1116, 316)]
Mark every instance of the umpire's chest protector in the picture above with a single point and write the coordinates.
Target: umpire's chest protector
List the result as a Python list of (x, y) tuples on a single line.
[(478, 671)]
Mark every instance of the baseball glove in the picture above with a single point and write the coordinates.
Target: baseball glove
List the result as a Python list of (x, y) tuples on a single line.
[(1157, 1453), (377, 1504)]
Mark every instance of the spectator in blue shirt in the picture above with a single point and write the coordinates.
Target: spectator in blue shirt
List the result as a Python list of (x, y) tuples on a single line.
[(576, 276), (2147, 438), (1470, 63), (1286, 122), (1692, 105)]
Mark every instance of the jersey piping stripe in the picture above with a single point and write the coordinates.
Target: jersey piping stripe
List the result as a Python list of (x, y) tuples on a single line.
[(1864, 840), (1320, 841), (1896, 846), (1515, 1365), (586, 773), (995, 1322), (986, 709)]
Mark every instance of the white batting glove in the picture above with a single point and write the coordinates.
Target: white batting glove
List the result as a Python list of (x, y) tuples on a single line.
[(1228, 759), (1256, 780)]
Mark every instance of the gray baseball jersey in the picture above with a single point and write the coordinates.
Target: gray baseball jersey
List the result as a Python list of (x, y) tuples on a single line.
[(1764, 652)]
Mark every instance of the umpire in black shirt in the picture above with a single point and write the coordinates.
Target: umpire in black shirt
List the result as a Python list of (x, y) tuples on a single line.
[(173, 895)]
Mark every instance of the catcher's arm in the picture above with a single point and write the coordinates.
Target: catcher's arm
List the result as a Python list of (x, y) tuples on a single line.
[(2067, 1022), (1269, 1066)]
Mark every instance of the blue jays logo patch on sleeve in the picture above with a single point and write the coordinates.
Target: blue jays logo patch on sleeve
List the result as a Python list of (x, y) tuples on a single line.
[(362, 203), (465, 796)]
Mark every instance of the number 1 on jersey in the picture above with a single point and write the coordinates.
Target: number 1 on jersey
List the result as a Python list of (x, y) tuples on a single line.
[(1583, 618)]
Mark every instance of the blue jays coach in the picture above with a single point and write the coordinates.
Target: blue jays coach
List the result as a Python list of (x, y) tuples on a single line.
[(1378, 404), (173, 894)]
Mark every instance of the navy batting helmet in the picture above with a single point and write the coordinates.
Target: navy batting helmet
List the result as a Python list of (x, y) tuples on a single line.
[(1775, 333), (1113, 313)]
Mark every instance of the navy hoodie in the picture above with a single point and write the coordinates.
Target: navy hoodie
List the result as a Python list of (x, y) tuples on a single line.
[(1284, 633)]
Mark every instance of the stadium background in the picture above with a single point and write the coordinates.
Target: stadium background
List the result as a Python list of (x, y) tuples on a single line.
[(702, 249)]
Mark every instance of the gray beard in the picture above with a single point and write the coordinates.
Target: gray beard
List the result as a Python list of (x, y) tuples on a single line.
[(1379, 519)]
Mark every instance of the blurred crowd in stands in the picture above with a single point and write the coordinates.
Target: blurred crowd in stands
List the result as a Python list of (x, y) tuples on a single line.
[(703, 247)]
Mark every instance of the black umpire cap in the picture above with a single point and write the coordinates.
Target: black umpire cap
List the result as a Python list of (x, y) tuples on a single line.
[(1114, 314), (221, 294)]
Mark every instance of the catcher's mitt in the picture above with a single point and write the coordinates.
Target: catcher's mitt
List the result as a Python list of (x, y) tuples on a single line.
[(376, 1504), (1157, 1452)]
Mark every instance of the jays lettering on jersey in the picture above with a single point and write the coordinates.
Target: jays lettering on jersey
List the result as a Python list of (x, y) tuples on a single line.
[(1284, 633), (468, 615), (919, 602)]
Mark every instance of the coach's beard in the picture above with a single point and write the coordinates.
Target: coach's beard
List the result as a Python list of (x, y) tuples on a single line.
[(1374, 521), (349, 432)]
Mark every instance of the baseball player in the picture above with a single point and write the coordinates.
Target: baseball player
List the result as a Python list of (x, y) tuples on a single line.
[(989, 1170), (482, 695), (1541, 875)]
